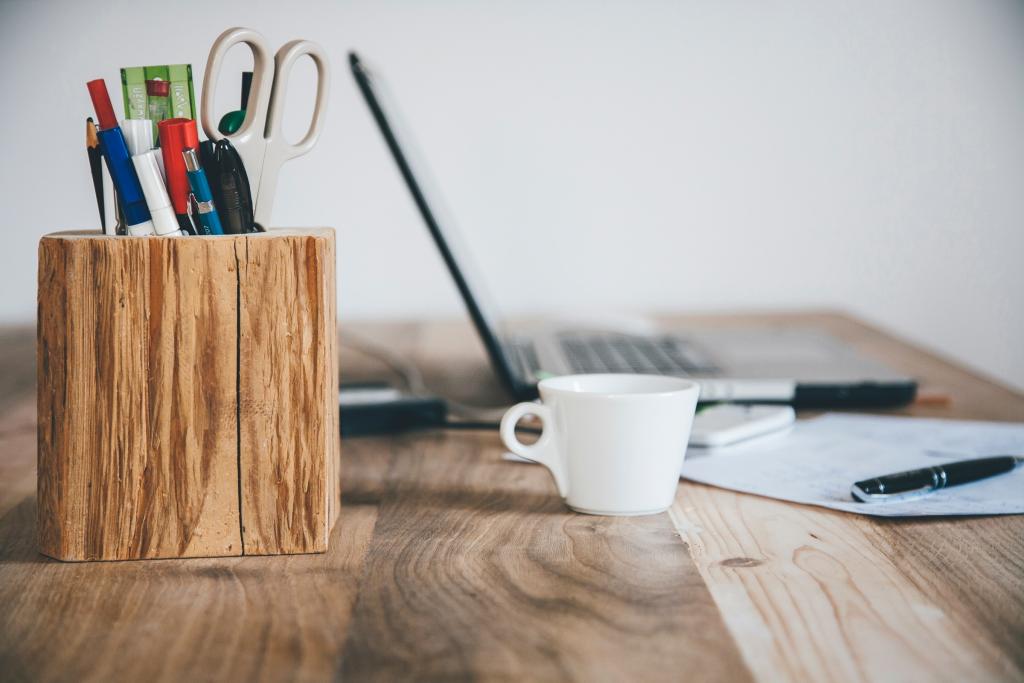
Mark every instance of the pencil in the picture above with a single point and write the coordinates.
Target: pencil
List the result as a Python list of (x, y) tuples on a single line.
[(92, 147)]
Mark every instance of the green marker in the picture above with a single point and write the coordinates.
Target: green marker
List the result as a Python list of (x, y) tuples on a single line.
[(233, 120)]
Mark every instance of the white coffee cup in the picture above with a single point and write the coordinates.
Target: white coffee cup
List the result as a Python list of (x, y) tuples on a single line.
[(614, 443)]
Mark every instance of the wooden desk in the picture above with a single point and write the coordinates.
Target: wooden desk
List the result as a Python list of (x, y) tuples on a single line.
[(450, 563)]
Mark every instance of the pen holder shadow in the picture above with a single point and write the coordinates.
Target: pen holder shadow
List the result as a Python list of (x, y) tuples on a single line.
[(187, 400)]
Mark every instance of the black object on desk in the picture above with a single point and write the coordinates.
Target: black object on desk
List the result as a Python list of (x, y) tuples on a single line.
[(378, 408), (913, 483)]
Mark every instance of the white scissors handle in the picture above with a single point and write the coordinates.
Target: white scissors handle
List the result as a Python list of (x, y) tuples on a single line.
[(248, 139), (278, 149), (284, 62), (260, 142), (259, 93)]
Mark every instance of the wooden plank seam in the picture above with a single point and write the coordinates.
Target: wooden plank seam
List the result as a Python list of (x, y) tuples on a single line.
[(238, 394)]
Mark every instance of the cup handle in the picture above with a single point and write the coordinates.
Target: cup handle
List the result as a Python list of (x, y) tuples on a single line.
[(545, 450)]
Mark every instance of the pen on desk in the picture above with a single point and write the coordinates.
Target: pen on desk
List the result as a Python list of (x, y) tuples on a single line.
[(207, 212), (914, 483), (92, 147), (122, 171)]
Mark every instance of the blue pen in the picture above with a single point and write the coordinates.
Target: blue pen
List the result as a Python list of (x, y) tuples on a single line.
[(208, 217)]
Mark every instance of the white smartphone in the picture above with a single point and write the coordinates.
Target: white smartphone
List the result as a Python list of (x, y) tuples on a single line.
[(726, 424)]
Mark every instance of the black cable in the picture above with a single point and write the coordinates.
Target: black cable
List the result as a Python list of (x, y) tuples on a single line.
[(485, 426)]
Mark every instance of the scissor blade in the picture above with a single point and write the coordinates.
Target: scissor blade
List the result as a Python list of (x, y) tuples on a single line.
[(265, 186)]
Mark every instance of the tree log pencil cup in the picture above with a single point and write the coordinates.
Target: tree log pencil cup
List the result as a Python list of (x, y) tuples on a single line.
[(187, 395)]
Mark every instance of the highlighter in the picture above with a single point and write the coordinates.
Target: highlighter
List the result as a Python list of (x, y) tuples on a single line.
[(119, 162), (177, 135)]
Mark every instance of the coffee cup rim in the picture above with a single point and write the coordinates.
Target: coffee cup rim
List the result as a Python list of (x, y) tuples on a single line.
[(673, 385)]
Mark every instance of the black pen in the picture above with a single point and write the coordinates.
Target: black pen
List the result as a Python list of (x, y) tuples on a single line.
[(913, 483)]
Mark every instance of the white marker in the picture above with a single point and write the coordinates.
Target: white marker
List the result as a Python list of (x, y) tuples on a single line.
[(148, 167)]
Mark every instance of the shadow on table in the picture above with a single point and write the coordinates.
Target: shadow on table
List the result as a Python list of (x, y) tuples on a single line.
[(18, 535), (18, 527), (493, 501)]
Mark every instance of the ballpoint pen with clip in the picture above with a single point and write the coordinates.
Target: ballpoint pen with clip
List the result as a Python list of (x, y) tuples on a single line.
[(913, 483), (206, 211)]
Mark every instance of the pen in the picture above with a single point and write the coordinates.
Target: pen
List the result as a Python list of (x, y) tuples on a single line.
[(207, 212), (92, 146), (913, 483), (119, 164)]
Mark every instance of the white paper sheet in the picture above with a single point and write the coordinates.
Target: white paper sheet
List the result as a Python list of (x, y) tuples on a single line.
[(819, 459)]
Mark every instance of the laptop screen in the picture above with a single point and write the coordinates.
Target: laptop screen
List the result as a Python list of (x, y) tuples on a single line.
[(453, 249)]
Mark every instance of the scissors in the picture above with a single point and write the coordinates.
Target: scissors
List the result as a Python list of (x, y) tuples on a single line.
[(260, 141)]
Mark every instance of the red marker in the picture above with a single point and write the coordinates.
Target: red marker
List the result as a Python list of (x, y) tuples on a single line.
[(177, 135), (101, 103)]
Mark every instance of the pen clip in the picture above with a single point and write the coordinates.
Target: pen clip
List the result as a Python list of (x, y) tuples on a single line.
[(864, 497), (192, 212)]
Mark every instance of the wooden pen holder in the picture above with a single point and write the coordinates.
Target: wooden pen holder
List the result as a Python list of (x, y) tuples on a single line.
[(188, 399)]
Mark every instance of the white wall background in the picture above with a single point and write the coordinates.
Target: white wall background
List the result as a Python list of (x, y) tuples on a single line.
[(634, 156)]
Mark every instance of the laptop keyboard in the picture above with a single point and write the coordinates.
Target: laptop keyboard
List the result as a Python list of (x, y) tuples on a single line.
[(628, 353), (611, 352)]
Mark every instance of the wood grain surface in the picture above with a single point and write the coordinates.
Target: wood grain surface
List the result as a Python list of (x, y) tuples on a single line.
[(449, 563), (816, 594), (494, 577), (138, 445), (288, 394), (188, 395)]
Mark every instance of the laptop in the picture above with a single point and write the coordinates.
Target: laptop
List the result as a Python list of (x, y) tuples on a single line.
[(776, 364)]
